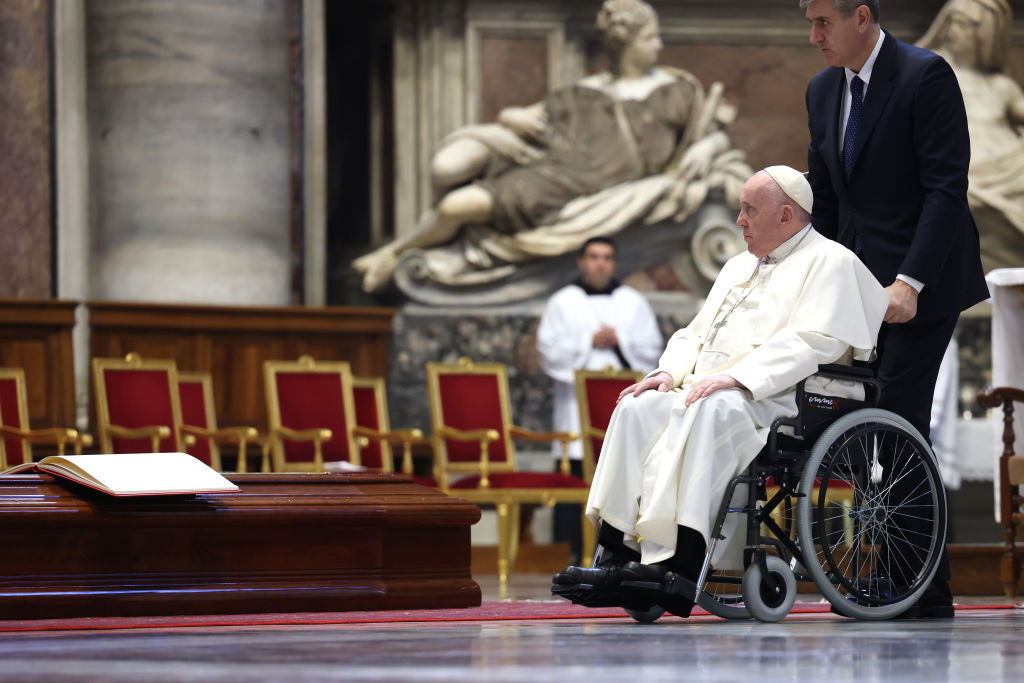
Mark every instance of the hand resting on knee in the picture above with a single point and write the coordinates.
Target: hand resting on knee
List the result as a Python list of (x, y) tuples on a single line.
[(662, 382)]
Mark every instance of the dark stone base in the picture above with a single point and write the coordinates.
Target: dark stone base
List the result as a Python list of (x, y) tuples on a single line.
[(488, 335)]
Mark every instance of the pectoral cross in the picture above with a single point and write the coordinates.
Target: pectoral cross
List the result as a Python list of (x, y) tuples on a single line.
[(754, 278), (715, 328)]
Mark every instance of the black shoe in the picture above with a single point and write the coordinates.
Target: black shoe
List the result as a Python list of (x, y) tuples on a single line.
[(659, 585), (935, 603)]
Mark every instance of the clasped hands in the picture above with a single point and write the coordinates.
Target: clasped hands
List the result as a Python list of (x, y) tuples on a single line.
[(605, 338), (662, 382)]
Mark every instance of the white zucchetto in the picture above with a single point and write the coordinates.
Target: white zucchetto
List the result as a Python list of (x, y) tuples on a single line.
[(794, 184)]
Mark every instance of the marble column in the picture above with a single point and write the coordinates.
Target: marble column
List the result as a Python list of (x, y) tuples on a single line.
[(25, 128), (189, 142)]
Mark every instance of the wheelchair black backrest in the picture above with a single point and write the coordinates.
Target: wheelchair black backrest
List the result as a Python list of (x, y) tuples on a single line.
[(816, 412)]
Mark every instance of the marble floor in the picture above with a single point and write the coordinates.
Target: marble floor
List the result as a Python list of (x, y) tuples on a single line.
[(978, 645)]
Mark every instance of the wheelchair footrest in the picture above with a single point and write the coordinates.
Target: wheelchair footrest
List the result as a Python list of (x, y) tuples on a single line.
[(672, 585)]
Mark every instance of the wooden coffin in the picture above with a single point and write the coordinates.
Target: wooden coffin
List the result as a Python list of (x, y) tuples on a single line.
[(284, 543)]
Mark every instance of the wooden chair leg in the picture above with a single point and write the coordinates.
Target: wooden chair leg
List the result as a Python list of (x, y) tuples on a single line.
[(504, 540), (1010, 564)]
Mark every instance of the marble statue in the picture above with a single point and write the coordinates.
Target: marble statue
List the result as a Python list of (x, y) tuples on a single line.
[(636, 146), (974, 37)]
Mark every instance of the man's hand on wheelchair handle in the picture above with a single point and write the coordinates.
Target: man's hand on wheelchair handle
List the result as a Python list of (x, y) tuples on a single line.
[(902, 302), (661, 382), (710, 385)]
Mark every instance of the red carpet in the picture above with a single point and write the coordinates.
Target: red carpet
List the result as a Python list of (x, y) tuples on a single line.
[(490, 611)]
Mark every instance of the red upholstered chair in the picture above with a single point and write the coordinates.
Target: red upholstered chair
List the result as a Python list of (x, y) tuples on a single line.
[(16, 438), (137, 405), (312, 416), (371, 404), (596, 394), (473, 432), (1011, 478), (199, 419)]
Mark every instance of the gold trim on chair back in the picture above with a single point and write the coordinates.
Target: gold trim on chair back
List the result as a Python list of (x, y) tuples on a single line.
[(205, 383), (375, 384), (500, 455), (109, 430), (318, 434), (588, 432), (17, 375)]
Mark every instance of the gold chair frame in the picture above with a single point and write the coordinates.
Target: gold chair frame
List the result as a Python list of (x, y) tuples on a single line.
[(507, 502), (587, 430), (155, 433), (406, 437), (57, 435), (216, 435), (358, 437)]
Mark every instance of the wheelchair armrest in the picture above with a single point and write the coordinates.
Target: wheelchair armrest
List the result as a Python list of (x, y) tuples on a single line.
[(861, 373), (837, 371)]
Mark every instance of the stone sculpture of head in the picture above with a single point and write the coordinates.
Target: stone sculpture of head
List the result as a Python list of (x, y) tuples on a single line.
[(975, 32), (620, 23)]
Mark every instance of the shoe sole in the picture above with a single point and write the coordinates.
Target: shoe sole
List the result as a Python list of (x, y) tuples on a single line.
[(936, 612)]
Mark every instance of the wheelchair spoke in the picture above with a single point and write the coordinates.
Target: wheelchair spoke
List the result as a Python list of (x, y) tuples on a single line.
[(888, 527)]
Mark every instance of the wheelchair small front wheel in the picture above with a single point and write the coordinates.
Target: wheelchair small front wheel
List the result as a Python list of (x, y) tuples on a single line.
[(769, 596), (722, 595), (646, 616)]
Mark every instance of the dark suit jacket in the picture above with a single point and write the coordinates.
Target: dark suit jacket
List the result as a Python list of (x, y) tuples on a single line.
[(906, 198)]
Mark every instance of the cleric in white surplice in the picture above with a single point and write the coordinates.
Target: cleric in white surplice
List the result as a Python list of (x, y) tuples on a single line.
[(793, 301), (593, 324)]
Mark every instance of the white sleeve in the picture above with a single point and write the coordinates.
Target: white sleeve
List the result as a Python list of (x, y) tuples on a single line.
[(680, 355), (786, 358), (564, 341)]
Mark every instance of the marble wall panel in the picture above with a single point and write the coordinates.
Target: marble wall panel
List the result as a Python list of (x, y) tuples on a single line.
[(189, 122), (25, 149), (513, 72), (767, 85)]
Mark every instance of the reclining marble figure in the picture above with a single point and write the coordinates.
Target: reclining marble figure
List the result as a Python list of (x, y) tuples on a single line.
[(637, 144)]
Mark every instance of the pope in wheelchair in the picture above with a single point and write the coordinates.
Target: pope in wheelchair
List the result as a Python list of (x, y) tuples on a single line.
[(751, 457)]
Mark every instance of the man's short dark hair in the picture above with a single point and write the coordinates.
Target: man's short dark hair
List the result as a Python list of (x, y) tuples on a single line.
[(848, 7), (598, 240)]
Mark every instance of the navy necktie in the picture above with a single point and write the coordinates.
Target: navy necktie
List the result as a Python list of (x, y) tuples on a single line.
[(856, 106)]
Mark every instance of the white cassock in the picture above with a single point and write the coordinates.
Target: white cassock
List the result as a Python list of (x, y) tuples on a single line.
[(565, 341), (662, 464)]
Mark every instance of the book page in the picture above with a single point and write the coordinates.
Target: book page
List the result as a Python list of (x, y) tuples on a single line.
[(129, 474), (23, 468)]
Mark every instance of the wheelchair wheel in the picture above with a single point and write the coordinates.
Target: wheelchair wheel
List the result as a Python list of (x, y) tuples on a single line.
[(769, 597), (871, 518), (722, 595), (646, 616)]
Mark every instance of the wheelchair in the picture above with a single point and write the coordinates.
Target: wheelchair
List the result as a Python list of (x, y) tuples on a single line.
[(848, 497)]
